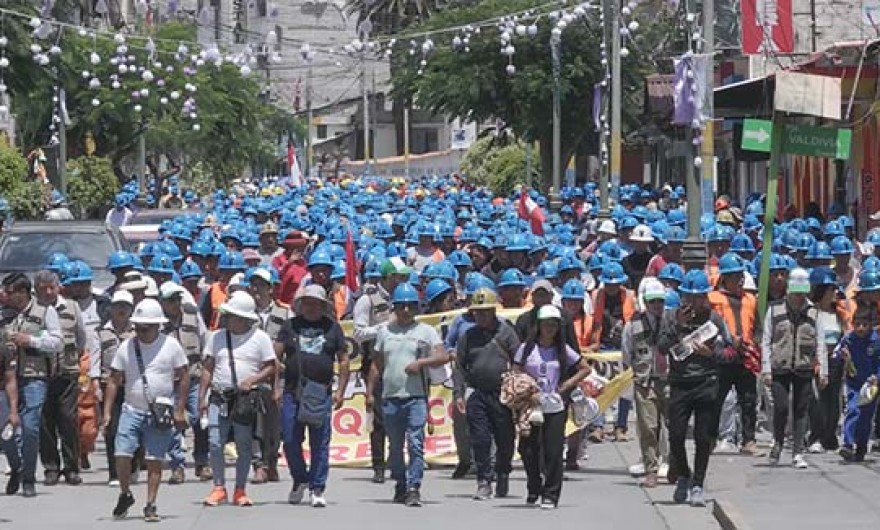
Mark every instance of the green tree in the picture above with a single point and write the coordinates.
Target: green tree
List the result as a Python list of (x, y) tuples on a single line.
[(25, 196), (476, 85), (498, 164), (91, 184)]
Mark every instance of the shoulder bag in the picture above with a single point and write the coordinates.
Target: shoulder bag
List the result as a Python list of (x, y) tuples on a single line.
[(162, 412), (247, 405), (312, 397)]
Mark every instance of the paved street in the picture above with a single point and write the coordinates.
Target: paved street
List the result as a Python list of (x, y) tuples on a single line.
[(600, 494)]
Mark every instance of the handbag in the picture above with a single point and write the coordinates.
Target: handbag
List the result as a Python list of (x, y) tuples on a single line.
[(161, 409), (312, 397), (246, 405)]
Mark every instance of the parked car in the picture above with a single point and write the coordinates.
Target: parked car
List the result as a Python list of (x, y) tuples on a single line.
[(26, 246), (145, 224)]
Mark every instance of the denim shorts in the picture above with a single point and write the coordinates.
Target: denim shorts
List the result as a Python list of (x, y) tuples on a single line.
[(136, 429)]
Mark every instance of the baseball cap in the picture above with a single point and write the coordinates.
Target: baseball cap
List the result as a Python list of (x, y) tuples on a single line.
[(798, 281), (549, 311), (543, 284)]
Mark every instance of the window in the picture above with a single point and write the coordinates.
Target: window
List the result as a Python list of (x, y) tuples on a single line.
[(321, 132)]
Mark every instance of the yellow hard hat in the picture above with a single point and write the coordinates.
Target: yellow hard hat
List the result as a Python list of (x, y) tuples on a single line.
[(483, 298)]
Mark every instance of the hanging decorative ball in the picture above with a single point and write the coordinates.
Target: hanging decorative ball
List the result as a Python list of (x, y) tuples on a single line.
[(3, 88), (138, 108), (3, 41), (94, 83), (169, 69), (116, 84), (95, 59), (35, 23), (55, 50), (698, 161), (626, 11), (568, 18), (193, 115), (135, 94), (35, 48), (632, 4), (624, 32), (556, 32), (83, 32), (197, 127), (119, 38), (423, 63), (163, 100), (245, 70), (174, 94), (633, 25), (521, 30), (276, 58), (697, 140), (85, 74), (562, 24), (509, 50), (190, 87), (96, 102), (532, 30), (123, 69), (4, 62), (147, 76), (160, 83), (145, 92), (624, 52), (511, 69), (200, 63)]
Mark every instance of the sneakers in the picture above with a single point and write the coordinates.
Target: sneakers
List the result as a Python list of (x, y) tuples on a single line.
[(775, 453), (14, 482), (113, 483), (650, 481), (846, 452), (379, 475), (259, 476), (502, 485), (484, 491), (751, 449), (125, 501), (597, 435), (203, 472), (297, 492), (461, 471), (547, 504), (240, 498), (318, 500), (697, 497), (531, 499), (680, 496), (637, 470), (619, 436), (72, 478), (217, 497), (28, 489), (413, 498), (816, 449), (798, 462), (663, 471), (725, 447), (84, 463), (177, 477), (51, 478), (229, 451), (151, 514), (272, 474)]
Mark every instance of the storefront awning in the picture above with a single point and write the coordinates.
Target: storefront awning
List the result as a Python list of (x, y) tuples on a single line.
[(752, 98)]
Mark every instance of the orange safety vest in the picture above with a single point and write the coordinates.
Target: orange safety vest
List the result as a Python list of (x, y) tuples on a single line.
[(340, 300), (629, 309), (216, 296), (720, 302), (583, 324), (712, 271)]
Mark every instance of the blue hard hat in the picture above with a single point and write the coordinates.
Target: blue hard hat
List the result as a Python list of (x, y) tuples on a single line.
[(231, 260), (338, 271), (627, 223), (56, 198), (190, 269), (751, 223), (320, 257), (833, 229), (200, 248), (119, 259), (547, 270), (672, 271), (460, 258), (695, 282), (405, 293), (869, 280), (511, 278), (75, 271), (610, 250), (841, 245), (56, 261), (846, 221), (673, 301), (676, 217), (823, 276), (597, 262), (162, 264), (742, 243), (476, 280), (778, 262), (731, 263), (373, 269), (613, 273), (718, 233), (819, 250), (871, 263), (518, 243), (573, 290), (436, 288), (570, 262)]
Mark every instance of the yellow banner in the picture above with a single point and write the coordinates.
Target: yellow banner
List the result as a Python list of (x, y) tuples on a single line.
[(350, 443)]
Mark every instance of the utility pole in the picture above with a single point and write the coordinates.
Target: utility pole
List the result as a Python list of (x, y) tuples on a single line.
[(609, 33), (406, 140), (308, 57), (615, 99), (366, 114), (555, 41)]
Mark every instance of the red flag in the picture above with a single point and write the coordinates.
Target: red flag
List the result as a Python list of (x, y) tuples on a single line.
[(351, 265), (529, 210), (291, 154)]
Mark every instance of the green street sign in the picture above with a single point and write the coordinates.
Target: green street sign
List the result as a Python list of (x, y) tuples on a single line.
[(756, 135), (825, 142)]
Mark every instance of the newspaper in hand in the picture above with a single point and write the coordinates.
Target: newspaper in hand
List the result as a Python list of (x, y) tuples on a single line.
[(701, 335)]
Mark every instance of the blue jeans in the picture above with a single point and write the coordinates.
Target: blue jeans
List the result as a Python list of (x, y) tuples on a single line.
[(218, 432), (200, 437), (292, 433), (31, 395), (405, 421), (624, 405), (8, 447), (858, 420)]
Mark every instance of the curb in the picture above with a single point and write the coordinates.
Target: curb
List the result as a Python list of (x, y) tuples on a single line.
[(728, 516)]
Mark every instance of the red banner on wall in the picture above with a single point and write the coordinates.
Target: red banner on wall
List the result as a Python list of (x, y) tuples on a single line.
[(767, 26)]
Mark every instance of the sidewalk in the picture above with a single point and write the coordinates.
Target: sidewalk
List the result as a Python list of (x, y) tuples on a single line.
[(750, 495)]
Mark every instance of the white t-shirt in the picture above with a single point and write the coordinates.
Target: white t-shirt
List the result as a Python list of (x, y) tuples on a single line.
[(117, 217), (161, 359), (251, 350)]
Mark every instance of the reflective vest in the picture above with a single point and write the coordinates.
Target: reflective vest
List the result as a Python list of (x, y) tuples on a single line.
[(380, 304), (647, 361), (628, 305), (793, 343), (741, 326), (68, 317), (110, 340), (30, 362), (582, 326), (216, 297), (278, 315), (340, 300)]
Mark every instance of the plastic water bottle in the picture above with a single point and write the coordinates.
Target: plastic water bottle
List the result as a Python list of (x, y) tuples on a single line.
[(369, 421), (203, 422), (8, 431)]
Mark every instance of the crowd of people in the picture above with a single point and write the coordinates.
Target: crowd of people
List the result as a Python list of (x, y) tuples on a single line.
[(228, 327)]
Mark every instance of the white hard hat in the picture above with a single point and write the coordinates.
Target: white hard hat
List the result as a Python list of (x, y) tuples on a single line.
[(652, 289), (148, 311), (641, 233), (152, 289), (749, 282), (240, 304), (170, 289), (607, 227), (121, 296)]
